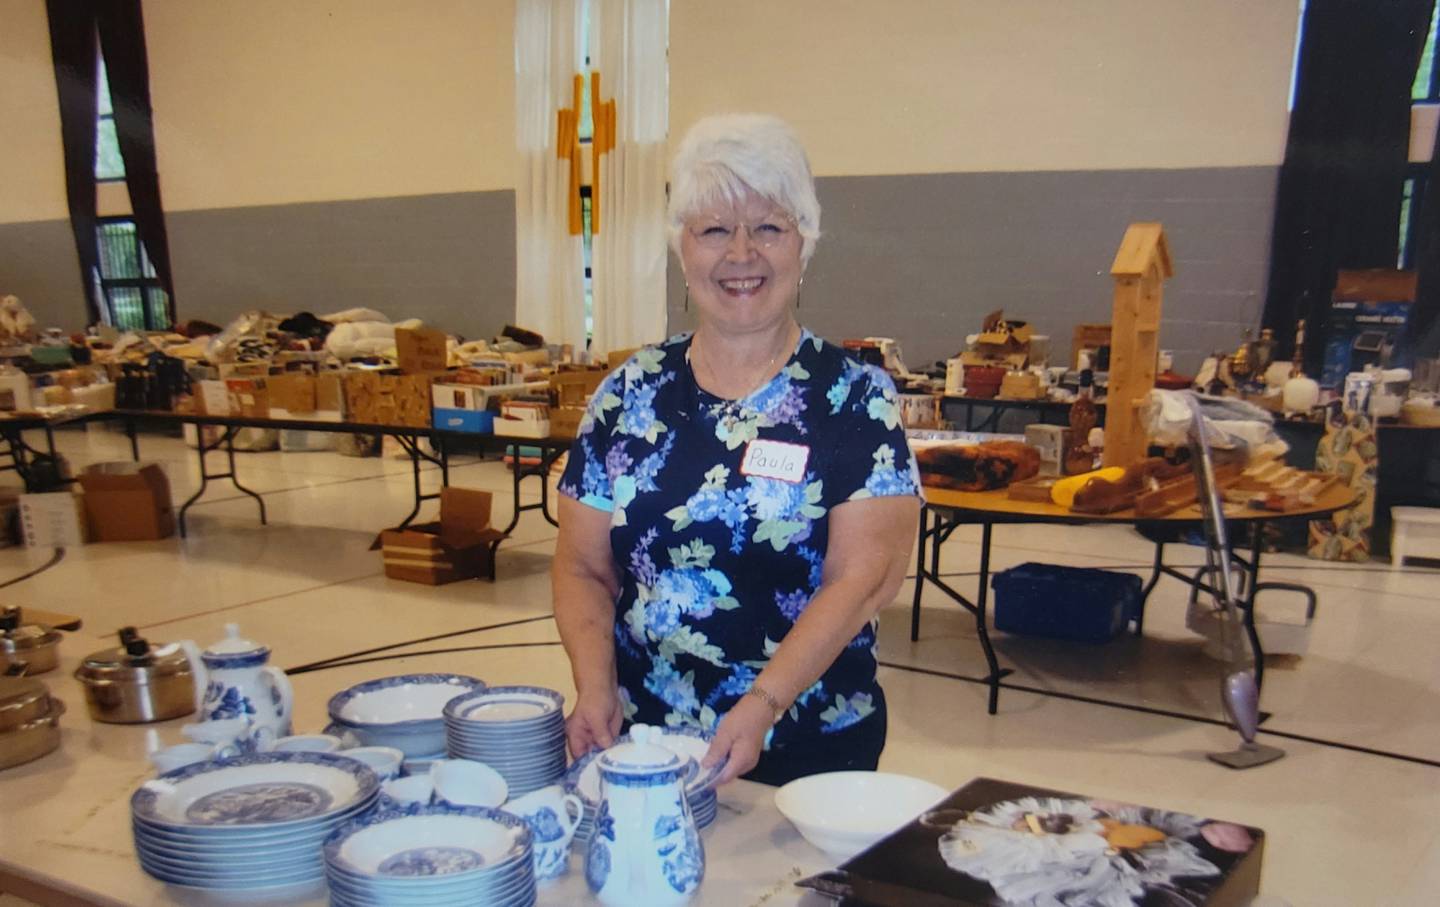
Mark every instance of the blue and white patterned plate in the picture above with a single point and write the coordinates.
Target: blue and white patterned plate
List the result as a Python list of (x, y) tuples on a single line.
[(267, 790), (432, 842), (506, 708)]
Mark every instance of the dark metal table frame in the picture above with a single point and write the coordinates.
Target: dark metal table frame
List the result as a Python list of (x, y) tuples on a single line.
[(939, 522), (408, 437), (22, 455)]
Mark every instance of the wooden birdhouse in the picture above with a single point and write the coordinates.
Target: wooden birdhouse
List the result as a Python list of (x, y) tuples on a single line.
[(1141, 268)]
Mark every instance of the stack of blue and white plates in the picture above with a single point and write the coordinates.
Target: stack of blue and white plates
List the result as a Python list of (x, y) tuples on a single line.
[(436, 856), (583, 777), (518, 731), (251, 822), (403, 712)]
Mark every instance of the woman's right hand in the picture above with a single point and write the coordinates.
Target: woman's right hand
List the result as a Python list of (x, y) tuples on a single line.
[(594, 722)]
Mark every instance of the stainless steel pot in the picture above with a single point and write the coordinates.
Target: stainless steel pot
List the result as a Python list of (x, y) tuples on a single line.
[(37, 645), (137, 684), (22, 700), (34, 738)]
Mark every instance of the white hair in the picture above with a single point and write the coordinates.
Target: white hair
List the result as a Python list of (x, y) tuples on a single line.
[(722, 156)]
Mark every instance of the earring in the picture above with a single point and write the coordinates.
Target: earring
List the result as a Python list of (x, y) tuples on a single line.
[(687, 297), (798, 286)]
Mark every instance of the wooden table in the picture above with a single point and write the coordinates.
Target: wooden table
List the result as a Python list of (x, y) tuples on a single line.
[(946, 510)]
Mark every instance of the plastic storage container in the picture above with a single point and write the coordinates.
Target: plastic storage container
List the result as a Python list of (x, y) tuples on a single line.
[(1073, 603)]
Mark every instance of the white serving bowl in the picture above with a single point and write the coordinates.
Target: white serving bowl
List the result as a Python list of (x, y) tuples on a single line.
[(842, 813), (405, 712)]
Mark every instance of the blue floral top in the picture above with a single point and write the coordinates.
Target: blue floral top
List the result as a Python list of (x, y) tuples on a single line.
[(716, 565)]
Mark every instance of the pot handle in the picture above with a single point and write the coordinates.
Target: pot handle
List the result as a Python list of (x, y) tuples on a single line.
[(198, 671), (287, 693)]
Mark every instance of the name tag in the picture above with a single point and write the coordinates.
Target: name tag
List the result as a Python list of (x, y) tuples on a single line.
[(775, 460)]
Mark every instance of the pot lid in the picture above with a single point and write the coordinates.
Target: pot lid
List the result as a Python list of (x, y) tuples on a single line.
[(235, 644), (640, 755), (17, 635), (22, 699), (134, 659)]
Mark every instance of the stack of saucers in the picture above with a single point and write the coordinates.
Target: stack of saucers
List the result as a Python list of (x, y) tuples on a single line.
[(402, 712), (583, 777), (250, 822), (437, 856), (518, 731)]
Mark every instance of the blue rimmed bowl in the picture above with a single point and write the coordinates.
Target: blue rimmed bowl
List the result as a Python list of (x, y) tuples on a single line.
[(405, 712)]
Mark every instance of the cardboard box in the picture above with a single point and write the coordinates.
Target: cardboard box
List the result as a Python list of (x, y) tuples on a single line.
[(52, 520), (373, 398), (212, 398), (573, 388), (249, 397), (458, 396), (565, 421), (127, 502), (294, 393), (523, 420), (420, 350), (458, 546)]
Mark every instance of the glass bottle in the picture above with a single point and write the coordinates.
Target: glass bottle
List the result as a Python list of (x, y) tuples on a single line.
[(1078, 455)]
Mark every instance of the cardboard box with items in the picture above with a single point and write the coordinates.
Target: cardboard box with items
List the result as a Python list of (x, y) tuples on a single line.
[(461, 545)]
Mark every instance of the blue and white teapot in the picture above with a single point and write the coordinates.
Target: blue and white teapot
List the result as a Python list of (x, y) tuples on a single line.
[(645, 850), (236, 686)]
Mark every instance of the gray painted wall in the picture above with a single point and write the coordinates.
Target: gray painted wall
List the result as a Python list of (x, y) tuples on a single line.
[(923, 258), (918, 257), (38, 263), (446, 259)]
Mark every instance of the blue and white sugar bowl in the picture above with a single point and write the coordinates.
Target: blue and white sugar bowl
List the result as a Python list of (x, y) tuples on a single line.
[(645, 850)]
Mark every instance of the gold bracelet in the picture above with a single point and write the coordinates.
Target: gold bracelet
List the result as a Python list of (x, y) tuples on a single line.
[(768, 698)]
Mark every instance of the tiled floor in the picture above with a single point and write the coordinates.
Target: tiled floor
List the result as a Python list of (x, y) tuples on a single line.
[(1349, 811)]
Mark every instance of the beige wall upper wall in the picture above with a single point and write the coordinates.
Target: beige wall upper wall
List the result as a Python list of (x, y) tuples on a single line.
[(32, 164), (277, 101), (934, 86)]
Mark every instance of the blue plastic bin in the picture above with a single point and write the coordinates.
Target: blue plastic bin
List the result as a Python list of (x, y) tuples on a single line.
[(1074, 603)]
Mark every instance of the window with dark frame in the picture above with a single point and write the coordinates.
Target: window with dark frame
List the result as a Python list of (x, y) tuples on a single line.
[(131, 292), (1425, 90), (109, 165)]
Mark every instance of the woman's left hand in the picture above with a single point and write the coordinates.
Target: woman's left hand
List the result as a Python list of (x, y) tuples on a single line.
[(740, 737)]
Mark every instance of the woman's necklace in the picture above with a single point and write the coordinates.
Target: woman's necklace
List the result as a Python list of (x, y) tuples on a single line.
[(730, 410)]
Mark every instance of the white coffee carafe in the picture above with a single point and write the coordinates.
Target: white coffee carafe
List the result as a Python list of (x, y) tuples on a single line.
[(645, 849), (237, 686)]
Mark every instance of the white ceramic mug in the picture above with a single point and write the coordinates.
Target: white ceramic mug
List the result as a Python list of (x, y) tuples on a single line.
[(415, 790), (181, 755), (385, 761), (464, 782), (553, 816), (306, 743)]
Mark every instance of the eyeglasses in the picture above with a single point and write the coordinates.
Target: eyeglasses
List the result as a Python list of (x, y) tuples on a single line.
[(715, 233)]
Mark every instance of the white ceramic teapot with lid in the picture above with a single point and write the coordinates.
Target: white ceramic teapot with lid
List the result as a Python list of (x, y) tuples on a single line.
[(236, 685), (645, 849)]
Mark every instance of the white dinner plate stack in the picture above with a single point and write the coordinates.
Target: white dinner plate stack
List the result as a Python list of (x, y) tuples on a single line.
[(518, 731), (247, 823), (436, 856), (583, 777)]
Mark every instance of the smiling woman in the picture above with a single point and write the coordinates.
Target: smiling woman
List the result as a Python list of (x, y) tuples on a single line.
[(740, 501)]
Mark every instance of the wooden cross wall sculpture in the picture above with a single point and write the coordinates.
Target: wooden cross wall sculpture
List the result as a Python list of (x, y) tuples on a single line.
[(1141, 268), (567, 147)]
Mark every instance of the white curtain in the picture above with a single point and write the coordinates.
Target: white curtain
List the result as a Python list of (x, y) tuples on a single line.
[(549, 261), (628, 257)]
